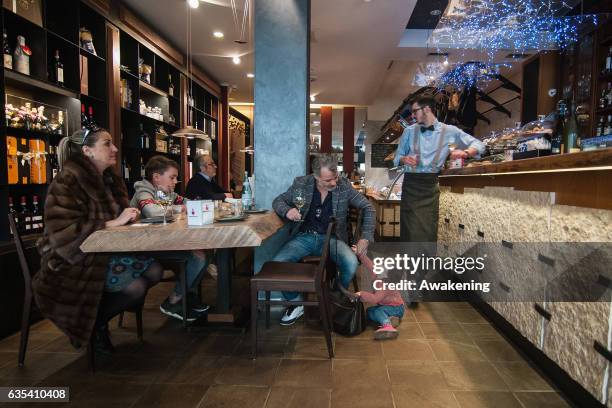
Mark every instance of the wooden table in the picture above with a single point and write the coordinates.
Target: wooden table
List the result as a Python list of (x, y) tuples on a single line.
[(178, 236)]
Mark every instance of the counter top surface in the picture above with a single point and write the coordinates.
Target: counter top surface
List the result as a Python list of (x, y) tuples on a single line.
[(565, 162), (381, 198)]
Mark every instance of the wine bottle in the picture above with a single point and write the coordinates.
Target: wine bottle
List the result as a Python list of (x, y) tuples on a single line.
[(53, 163), (27, 220), (556, 145), (37, 217), (570, 134), (21, 56), (608, 128), (247, 195), (170, 86), (142, 169), (8, 55), (603, 100), (11, 210), (126, 171), (84, 119), (144, 138), (57, 74), (608, 65), (601, 125), (92, 121)]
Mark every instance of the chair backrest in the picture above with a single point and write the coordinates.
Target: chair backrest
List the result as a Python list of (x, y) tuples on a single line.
[(25, 268), (321, 275)]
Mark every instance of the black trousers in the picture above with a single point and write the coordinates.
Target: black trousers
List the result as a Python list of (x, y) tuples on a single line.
[(419, 208)]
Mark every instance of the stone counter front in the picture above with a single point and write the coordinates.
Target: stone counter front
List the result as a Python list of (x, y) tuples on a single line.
[(538, 208)]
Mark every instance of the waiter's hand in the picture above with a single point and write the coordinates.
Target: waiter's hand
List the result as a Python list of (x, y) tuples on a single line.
[(459, 154), (408, 160), (293, 215), (362, 247)]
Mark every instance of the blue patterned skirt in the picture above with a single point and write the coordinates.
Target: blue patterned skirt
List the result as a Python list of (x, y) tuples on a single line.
[(124, 269)]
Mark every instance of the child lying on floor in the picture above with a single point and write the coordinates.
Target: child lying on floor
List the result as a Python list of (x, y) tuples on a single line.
[(389, 307)]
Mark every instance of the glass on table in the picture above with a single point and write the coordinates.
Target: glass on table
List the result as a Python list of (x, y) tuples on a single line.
[(237, 208)]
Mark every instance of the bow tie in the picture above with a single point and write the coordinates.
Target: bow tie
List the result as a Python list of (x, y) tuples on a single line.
[(425, 128)]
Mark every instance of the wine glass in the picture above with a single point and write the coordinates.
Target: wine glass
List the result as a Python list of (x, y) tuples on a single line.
[(164, 200), (299, 200)]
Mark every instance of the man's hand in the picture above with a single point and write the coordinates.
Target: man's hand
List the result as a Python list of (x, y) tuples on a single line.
[(459, 154), (362, 247), (293, 215), (409, 160), (229, 195)]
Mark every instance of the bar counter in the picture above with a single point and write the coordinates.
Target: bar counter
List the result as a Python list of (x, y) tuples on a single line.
[(563, 198)]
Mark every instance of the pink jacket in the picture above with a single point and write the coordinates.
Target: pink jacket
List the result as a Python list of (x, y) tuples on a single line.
[(381, 297)]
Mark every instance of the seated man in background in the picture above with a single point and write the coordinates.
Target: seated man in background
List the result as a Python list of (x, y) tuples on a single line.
[(326, 196), (161, 174), (202, 185)]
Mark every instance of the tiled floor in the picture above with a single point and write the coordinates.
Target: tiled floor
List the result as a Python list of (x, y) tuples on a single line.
[(447, 355)]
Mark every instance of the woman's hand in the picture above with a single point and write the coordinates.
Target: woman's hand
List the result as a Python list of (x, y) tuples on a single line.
[(127, 215)]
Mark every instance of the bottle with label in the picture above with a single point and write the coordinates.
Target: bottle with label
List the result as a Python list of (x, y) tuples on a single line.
[(8, 55), (60, 123), (21, 56), (608, 63), (601, 125), (11, 210), (90, 117), (57, 70), (142, 169), (126, 171), (247, 195), (144, 139), (53, 163), (556, 145), (608, 128), (84, 119), (570, 132), (170, 86), (27, 219), (37, 217), (603, 100)]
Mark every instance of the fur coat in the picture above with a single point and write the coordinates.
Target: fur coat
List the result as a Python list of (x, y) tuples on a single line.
[(70, 284)]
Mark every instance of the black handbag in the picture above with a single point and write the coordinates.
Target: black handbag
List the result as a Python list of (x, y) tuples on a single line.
[(348, 313)]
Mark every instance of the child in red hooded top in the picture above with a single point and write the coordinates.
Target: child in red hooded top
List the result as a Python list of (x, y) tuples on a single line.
[(389, 307)]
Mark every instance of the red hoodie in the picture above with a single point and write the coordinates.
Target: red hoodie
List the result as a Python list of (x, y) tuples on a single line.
[(381, 297)]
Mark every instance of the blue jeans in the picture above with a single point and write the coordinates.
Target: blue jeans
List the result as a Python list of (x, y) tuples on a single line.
[(381, 313), (308, 244), (196, 261)]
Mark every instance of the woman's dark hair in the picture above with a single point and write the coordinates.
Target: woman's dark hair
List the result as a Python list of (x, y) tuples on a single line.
[(158, 164), (71, 146)]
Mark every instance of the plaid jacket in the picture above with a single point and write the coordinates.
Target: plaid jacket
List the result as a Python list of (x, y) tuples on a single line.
[(342, 197)]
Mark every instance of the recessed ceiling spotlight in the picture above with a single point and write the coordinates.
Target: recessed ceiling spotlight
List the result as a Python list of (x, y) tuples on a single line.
[(236, 60), (445, 63), (193, 3), (312, 98), (367, 1), (250, 75), (435, 12), (218, 34)]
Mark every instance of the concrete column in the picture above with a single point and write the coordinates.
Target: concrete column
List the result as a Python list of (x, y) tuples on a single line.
[(326, 129), (348, 138), (282, 52)]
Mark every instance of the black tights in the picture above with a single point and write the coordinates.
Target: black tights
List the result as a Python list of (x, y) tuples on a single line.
[(131, 296)]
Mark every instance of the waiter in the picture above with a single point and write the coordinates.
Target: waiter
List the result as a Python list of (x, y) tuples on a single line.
[(423, 149)]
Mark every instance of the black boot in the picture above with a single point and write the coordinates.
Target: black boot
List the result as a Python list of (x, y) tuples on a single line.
[(102, 342)]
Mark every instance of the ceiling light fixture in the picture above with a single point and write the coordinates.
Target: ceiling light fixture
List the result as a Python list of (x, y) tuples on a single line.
[(445, 63), (218, 34), (312, 98), (193, 3), (236, 60), (250, 75)]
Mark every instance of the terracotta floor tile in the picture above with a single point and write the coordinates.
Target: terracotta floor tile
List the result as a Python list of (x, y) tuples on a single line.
[(192, 369), (405, 397), (407, 350), (472, 376), (541, 400), (371, 397), (481, 331), (520, 376), (359, 373), (421, 376), (246, 371), (346, 347), (172, 396), (277, 347), (444, 331), (108, 392), (294, 397), (308, 347), (304, 373), (38, 366), (36, 340), (468, 316), (486, 399), (449, 350), (234, 396)]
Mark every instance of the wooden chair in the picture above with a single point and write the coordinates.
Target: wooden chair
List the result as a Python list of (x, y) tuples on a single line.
[(294, 277), (28, 298)]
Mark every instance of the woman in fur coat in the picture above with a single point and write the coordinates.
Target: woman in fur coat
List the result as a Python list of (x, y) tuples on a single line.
[(81, 292)]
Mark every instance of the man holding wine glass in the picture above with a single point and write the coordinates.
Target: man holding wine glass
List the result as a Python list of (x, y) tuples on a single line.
[(310, 203)]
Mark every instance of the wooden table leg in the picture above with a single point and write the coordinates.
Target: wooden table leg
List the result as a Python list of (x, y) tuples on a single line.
[(224, 280)]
